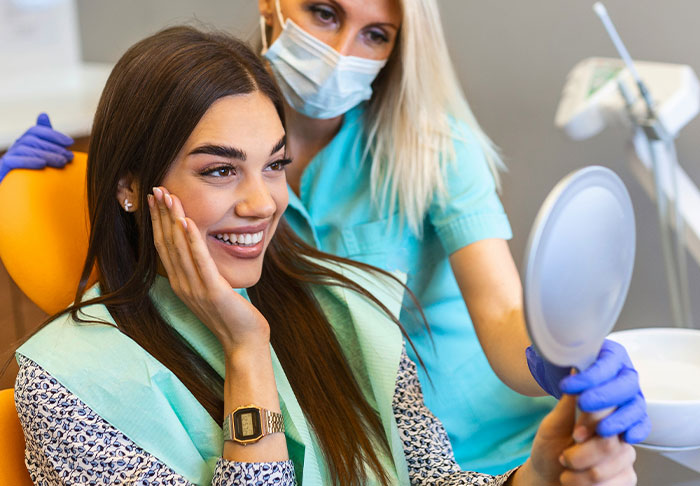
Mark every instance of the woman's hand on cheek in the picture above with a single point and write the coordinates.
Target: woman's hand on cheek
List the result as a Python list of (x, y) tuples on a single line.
[(195, 279), (557, 460)]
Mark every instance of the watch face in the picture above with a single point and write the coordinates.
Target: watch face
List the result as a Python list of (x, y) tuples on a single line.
[(246, 424)]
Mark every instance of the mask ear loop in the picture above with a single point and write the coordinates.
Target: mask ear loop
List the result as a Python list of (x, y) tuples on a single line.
[(279, 13), (263, 26)]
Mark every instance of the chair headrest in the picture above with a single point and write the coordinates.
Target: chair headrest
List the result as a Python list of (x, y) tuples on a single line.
[(44, 231)]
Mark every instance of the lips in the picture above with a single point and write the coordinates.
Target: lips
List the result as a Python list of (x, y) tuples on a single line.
[(241, 242)]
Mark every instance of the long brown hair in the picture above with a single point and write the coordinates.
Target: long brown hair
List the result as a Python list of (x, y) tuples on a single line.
[(154, 98)]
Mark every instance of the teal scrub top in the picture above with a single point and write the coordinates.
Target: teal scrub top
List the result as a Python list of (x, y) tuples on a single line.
[(491, 427)]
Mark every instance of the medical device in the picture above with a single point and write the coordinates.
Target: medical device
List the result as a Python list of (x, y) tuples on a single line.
[(657, 100)]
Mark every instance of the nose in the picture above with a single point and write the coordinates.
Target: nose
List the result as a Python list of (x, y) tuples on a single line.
[(343, 42), (256, 201)]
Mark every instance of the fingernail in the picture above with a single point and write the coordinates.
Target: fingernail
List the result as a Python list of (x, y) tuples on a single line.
[(580, 434), (168, 201), (562, 460), (183, 222), (157, 193), (149, 198)]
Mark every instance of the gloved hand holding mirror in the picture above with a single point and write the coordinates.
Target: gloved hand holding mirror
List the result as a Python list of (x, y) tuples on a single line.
[(578, 267)]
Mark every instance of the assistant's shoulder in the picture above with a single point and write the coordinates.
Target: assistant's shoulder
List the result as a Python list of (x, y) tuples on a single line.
[(473, 152)]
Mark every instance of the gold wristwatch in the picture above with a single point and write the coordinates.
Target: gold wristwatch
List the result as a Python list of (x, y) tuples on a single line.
[(249, 424)]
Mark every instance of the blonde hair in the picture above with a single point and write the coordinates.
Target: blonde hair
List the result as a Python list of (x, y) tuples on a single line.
[(412, 117)]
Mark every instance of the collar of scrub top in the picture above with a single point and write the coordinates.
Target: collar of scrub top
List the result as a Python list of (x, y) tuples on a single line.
[(578, 266)]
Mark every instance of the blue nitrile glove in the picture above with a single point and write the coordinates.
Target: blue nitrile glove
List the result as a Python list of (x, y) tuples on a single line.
[(545, 373), (40, 146), (612, 381)]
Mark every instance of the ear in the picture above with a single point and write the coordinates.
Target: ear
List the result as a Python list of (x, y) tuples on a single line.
[(267, 8), (127, 194)]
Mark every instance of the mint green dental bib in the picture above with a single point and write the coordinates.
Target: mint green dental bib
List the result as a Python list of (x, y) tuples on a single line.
[(135, 393)]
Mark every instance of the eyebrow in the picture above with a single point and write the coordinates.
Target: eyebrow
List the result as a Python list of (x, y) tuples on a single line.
[(220, 150), (233, 152), (338, 6), (278, 146)]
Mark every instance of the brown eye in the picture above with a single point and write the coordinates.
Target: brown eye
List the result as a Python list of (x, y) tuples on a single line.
[(279, 165), (220, 171)]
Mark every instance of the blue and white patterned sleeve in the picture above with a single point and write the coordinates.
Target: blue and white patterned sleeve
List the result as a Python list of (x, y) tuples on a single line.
[(427, 447), (69, 444)]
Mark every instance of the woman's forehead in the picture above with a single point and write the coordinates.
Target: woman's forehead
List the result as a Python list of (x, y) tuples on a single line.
[(248, 121)]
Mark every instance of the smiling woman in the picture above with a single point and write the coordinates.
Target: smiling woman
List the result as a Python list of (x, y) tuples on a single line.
[(164, 373), (229, 176)]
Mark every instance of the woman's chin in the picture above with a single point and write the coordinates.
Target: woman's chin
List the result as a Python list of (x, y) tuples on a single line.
[(242, 278)]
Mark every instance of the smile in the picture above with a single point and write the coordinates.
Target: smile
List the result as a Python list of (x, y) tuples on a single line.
[(241, 239)]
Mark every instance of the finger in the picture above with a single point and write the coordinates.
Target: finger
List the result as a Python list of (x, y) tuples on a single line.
[(51, 135), (50, 157), (182, 245), (29, 141), (560, 421), (169, 227), (202, 258), (43, 120), (638, 432), (163, 200), (24, 162), (158, 238), (580, 457), (625, 478), (585, 427), (621, 389), (606, 367), (624, 417), (611, 468)]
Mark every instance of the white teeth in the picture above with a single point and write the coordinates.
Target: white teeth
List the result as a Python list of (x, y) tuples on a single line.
[(246, 239)]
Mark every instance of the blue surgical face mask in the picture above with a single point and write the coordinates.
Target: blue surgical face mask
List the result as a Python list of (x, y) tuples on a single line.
[(315, 79)]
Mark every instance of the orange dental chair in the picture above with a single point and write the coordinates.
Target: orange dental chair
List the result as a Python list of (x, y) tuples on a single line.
[(43, 244)]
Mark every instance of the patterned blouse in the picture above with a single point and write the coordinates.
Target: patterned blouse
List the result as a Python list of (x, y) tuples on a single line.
[(67, 443)]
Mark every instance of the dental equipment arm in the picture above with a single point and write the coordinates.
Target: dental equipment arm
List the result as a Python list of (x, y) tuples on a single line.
[(602, 91)]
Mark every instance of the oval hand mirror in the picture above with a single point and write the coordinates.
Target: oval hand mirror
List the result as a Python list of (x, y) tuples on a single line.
[(578, 266)]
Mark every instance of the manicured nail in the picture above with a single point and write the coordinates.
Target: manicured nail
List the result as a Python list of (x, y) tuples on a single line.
[(183, 222), (168, 201), (157, 193)]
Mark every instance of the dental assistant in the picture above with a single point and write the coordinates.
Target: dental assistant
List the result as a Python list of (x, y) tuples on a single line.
[(391, 169)]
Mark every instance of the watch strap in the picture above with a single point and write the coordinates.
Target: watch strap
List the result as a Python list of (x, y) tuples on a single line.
[(274, 422), (270, 423)]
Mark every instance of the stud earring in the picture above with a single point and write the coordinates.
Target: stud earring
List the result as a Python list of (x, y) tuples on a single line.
[(127, 205)]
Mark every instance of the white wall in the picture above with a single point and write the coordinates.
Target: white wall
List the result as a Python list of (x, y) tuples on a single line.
[(512, 57)]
